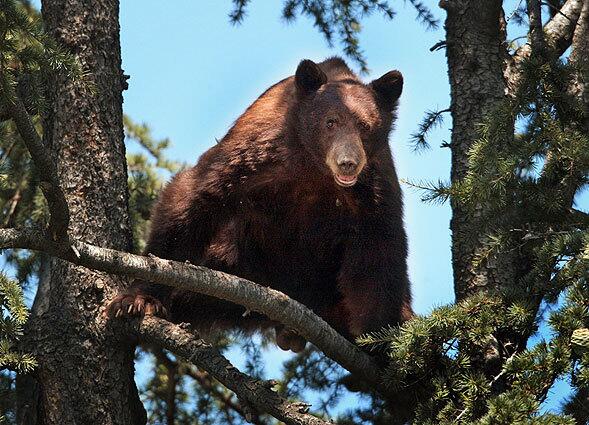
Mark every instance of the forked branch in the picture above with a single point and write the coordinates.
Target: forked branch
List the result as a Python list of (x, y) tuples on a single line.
[(558, 32), (556, 38)]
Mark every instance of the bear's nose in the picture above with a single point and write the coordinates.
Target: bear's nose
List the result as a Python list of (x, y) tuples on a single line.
[(347, 165)]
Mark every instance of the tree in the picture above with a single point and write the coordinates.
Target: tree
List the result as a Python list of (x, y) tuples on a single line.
[(520, 137)]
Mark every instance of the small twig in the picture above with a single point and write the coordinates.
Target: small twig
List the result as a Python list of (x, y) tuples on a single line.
[(7, 151), (12, 207), (461, 415), (253, 392), (510, 17), (438, 46)]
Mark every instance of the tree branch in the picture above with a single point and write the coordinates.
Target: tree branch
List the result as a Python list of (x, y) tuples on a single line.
[(273, 304), (250, 391), (536, 32), (44, 165), (205, 380), (580, 57), (558, 32)]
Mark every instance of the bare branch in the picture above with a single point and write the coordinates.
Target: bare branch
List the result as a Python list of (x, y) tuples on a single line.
[(44, 165), (250, 391), (273, 304)]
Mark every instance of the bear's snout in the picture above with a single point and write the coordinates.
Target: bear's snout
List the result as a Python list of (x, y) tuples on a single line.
[(346, 160), (347, 165)]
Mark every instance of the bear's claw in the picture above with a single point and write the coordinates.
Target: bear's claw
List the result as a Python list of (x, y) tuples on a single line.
[(135, 305)]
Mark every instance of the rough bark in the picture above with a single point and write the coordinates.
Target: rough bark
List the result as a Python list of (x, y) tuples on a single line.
[(476, 56), (85, 374), (29, 404)]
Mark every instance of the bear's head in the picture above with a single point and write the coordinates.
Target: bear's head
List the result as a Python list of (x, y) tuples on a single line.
[(340, 121)]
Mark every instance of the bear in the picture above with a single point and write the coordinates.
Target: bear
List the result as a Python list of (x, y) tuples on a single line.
[(302, 196)]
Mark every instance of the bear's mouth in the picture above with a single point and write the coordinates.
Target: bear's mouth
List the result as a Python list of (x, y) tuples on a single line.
[(346, 181)]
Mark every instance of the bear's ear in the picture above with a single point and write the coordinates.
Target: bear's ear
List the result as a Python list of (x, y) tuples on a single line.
[(389, 87), (309, 77)]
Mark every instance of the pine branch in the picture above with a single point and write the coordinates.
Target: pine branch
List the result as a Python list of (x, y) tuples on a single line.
[(425, 15), (250, 391), (273, 304), (432, 119), (45, 167)]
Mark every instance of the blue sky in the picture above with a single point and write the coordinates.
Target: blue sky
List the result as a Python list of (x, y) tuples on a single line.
[(193, 73)]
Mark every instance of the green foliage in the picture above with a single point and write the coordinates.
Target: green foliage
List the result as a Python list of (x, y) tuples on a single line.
[(28, 56), (432, 120), (472, 362), (13, 315), (339, 18)]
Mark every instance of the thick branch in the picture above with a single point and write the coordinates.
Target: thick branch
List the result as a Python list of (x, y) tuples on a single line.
[(558, 32), (274, 304), (43, 164), (250, 391)]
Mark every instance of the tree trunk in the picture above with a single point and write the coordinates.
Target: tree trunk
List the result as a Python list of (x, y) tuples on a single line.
[(85, 371), (476, 53)]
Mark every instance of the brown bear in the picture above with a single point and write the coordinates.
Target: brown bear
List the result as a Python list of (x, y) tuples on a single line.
[(301, 195)]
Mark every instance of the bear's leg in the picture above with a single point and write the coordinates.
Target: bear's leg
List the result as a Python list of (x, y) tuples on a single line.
[(374, 283), (181, 226)]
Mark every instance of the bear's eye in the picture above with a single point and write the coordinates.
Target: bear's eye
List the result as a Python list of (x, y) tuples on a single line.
[(364, 125), (330, 123)]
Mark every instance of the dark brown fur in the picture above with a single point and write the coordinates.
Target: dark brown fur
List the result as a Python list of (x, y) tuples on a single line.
[(263, 204)]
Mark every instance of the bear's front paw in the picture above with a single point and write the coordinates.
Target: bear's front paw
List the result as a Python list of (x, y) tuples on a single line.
[(133, 304), (289, 339)]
